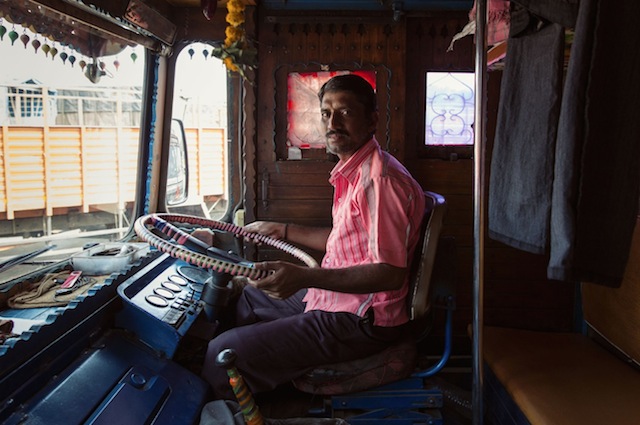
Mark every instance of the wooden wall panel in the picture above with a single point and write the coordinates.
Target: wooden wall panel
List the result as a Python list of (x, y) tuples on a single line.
[(308, 43)]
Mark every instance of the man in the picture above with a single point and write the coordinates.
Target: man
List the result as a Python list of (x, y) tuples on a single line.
[(354, 305)]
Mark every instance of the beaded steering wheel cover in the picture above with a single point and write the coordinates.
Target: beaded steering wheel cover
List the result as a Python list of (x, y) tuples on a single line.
[(162, 222)]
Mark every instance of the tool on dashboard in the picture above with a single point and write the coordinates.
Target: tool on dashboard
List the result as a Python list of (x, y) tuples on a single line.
[(71, 280), (68, 285)]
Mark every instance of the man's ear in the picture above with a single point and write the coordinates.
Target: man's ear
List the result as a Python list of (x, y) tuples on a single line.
[(373, 120)]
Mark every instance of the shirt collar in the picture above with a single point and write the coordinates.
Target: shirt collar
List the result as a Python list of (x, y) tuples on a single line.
[(349, 168)]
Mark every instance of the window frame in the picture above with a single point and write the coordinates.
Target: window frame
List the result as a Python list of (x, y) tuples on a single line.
[(445, 152), (281, 96)]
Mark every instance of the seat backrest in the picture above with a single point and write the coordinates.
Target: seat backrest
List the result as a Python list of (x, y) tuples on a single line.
[(424, 257)]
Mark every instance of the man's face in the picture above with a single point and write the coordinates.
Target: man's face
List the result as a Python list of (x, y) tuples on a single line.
[(346, 125)]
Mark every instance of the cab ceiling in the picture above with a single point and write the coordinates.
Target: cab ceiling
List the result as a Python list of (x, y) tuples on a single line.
[(104, 27)]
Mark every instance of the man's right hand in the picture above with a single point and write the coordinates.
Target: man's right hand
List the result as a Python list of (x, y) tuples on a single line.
[(283, 280)]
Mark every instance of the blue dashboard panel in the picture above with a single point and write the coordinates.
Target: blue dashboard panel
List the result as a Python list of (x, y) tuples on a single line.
[(119, 380), (36, 356), (81, 369), (161, 302), (105, 358)]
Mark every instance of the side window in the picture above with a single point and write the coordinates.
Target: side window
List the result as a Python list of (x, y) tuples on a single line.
[(449, 109), (200, 104)]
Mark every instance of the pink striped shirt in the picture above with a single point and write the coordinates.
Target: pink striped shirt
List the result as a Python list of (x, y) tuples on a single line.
[(377, 211)]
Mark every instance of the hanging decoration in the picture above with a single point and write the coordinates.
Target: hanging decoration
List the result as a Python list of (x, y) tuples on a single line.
[(25, 39), (60, 39), (236, 53), (13, 35)]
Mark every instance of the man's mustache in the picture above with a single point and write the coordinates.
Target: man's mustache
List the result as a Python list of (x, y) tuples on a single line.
[(336, 132)]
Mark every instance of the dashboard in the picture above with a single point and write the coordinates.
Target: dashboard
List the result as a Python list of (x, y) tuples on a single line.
[(108, 357)]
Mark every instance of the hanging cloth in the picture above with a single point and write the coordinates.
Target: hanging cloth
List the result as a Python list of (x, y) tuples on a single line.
[(595, 192), (565, 176), (497, 23), (522, 158)]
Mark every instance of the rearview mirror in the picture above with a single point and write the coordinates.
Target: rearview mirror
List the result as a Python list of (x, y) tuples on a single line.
[(177, 168)]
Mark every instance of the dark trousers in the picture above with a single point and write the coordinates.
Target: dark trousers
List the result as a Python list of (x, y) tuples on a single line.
[(276, 342)]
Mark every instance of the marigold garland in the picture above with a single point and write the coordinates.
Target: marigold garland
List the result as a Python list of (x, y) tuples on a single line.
[(233, 34), (235, 53), (228, 62), (235, 18), (235, 6)]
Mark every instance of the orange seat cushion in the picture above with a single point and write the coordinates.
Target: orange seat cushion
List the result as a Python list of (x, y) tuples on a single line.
[(563, 378)]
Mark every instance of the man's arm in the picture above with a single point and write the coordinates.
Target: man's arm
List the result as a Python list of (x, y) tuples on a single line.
[(310, 237), (288, 278)]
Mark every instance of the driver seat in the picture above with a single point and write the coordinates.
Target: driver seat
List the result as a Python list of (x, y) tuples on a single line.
[(397, 361)]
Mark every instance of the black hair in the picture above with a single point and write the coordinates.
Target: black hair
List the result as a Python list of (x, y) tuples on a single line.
[(355, 84)]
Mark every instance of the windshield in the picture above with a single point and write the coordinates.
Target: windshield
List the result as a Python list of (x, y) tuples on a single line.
[(69, 145)]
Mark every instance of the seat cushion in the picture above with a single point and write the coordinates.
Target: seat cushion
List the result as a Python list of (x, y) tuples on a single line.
[(563, 378), (392, 364)]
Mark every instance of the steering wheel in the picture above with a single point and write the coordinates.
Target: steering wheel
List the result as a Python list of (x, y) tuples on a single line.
[(183, 246)]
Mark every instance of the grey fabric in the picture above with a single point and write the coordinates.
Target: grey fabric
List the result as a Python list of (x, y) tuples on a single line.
[(565, 176), (571, 132), (522, 162), (595, 207), (561, 12)]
